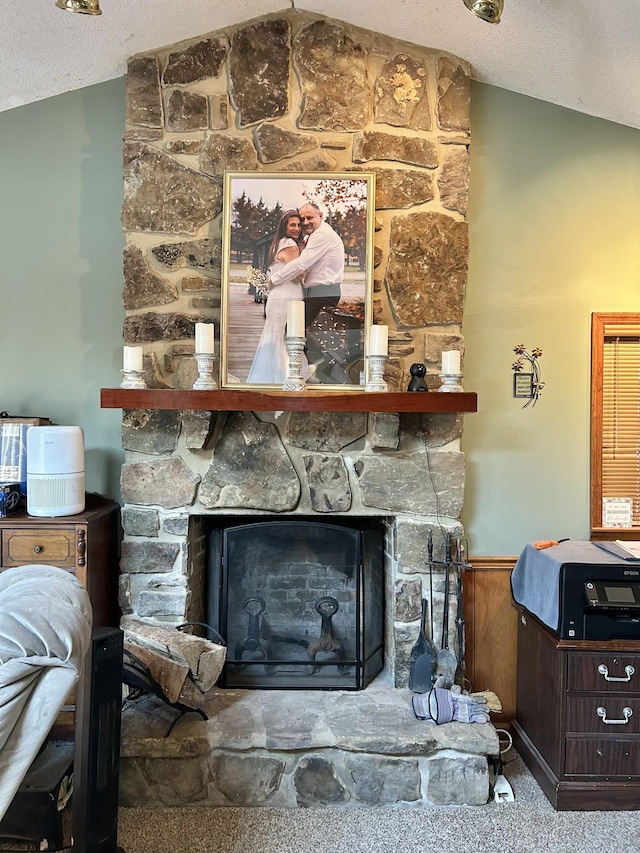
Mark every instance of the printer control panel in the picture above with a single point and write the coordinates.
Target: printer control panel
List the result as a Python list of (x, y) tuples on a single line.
[(610, 595)]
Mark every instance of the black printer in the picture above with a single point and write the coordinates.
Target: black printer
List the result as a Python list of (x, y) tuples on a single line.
[(600, 602), (581, 590)]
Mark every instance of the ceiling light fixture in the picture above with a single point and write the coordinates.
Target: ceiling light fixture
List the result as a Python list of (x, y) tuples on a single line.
[(87, 7), (487, 10)]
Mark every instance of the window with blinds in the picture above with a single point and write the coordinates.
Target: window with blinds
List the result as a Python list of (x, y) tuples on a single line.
[(615, 419)]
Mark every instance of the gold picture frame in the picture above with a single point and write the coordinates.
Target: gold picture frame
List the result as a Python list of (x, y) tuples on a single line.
[(265, 236)]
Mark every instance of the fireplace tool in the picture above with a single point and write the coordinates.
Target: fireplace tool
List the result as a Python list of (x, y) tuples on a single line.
[(327, 607), (447, 664), (422, 663), (461, 563)]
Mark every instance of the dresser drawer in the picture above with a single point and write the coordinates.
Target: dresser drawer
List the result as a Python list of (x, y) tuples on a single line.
[(604, 672), (602, 757), (55, 547), (604, 714)]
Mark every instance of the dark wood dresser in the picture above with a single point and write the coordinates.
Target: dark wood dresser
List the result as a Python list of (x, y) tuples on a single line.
[(87, 544), (577, 723)]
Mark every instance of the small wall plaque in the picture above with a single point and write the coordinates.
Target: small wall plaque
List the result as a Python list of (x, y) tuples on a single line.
[(523, 385)]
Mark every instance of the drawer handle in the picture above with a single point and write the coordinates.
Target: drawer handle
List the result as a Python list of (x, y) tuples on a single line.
[(82, 548), (37, 549), (626, 713), (603, 669)]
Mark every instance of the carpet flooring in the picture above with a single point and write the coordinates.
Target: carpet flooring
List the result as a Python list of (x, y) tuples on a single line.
[(529, 824)]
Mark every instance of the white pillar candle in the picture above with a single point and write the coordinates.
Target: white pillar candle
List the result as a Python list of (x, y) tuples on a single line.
[(133, 358), (204, 338), (451, 361), (379, 340), (295, 319)]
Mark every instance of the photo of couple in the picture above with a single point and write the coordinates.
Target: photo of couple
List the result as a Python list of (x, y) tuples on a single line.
[(306, 239)]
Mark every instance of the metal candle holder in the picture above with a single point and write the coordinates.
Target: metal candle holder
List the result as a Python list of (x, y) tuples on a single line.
[(294, 380), (376, 373), (451, 382), (205, 380), (133, 379)]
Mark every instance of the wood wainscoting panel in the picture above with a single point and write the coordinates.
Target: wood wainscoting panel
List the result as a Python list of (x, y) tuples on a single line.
[(491, 631)]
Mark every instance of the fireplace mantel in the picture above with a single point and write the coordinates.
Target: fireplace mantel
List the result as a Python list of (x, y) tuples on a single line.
[(280, 401)]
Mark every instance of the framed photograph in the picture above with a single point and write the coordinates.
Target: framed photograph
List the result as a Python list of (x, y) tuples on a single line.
[(302, 238), (523, 385)]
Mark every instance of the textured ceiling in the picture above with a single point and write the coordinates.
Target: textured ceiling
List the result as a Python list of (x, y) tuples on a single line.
[(579, 54)]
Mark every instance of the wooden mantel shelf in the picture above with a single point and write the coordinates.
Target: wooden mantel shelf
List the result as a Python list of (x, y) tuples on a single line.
[(292, 401)]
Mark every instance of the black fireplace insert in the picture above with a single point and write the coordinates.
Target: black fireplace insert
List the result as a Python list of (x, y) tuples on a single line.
[(299, 602)]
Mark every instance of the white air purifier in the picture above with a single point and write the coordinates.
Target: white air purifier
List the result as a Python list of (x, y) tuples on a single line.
[(55, 470)]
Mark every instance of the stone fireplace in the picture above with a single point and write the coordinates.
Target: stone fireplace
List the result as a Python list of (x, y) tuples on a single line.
[(294, 92)]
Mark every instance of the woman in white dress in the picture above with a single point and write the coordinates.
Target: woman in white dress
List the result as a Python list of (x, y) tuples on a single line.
[(270, 360)]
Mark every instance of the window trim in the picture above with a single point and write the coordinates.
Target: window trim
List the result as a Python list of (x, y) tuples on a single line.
[(599, 322)]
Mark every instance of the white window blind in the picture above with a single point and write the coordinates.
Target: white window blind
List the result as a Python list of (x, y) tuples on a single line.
[(621, 414)]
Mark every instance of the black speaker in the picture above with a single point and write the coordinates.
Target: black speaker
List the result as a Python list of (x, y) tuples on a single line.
[(97, 745)]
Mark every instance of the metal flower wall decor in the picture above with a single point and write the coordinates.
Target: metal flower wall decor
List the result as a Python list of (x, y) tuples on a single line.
[(527, 383)]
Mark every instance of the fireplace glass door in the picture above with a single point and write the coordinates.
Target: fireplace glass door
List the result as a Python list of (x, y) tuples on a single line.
[(299, 602)]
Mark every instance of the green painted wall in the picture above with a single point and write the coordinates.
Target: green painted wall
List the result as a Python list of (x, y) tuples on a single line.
[(554, 207), (61, 270), (554, 211)]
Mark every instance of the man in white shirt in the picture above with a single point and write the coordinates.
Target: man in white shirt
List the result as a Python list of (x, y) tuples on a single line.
[(321, 264)]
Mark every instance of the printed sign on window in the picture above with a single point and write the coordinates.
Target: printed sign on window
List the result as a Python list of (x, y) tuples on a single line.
[(617, 512)]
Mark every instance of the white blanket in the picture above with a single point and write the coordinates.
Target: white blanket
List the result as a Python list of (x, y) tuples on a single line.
[(45, 632)]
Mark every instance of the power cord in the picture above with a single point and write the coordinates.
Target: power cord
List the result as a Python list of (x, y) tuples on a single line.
[(500, 791)]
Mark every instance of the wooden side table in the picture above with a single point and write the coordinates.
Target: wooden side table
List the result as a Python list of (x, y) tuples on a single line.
[(86, 544), (577, 723)]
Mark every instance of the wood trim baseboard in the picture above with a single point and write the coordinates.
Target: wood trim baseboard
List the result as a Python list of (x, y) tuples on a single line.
[(489, 563), (491, 637)]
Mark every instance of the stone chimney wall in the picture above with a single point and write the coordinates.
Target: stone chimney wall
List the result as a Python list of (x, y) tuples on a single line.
[(291, 93)]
